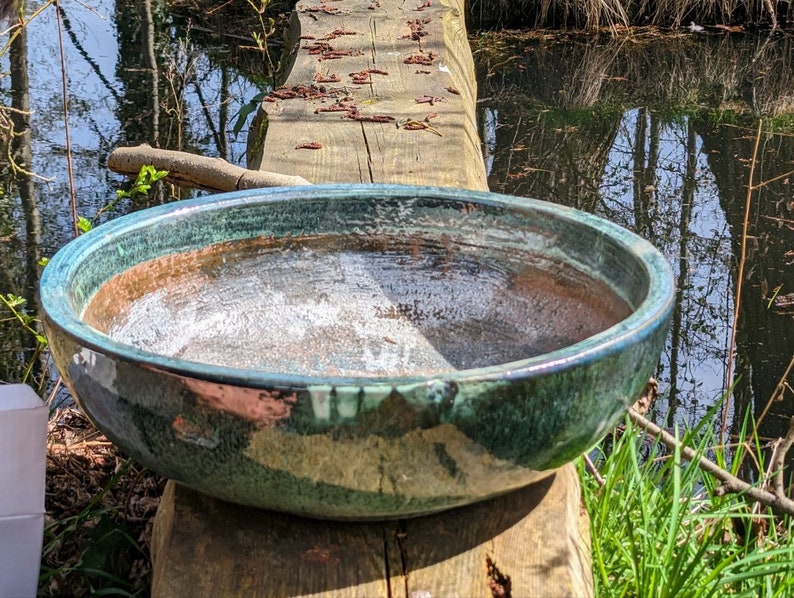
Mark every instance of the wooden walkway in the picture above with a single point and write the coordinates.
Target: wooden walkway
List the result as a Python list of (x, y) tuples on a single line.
[(384, 91), (399, 62)]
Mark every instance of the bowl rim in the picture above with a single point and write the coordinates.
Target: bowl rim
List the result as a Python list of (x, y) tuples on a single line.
[(653, 311)]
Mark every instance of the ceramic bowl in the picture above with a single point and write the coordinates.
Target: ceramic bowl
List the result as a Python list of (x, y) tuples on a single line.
[(357, 351)]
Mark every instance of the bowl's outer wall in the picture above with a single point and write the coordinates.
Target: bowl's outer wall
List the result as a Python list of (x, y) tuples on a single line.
[(360, 449), (165, 422)]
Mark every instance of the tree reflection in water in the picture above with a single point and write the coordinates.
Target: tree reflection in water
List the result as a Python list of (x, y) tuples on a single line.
[(652, 133), (658, 137), (136, 74)]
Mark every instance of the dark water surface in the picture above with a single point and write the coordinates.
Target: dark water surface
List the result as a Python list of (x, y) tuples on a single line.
[(658, 134), (654, 133)]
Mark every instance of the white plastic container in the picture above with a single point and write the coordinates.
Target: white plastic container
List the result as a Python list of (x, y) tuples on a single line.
[(23, 453)]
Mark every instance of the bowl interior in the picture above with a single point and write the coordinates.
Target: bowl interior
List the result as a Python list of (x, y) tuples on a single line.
[(368, 283)]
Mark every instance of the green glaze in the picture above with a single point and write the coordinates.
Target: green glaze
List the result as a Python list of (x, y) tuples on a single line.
[(368, 445)]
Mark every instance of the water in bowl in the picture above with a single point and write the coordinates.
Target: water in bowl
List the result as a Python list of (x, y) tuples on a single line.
[(352, 306)]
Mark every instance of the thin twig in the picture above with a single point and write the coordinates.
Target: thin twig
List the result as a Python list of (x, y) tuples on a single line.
[(779, 462), (777, 394), (590, 466), (780, 177), (733, 445), (740, 278), (53, 392), (730, 483), (79, 445), (65, 91), (764, 482)]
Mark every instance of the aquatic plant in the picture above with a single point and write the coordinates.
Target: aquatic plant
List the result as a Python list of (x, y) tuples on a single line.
[(661, 527)]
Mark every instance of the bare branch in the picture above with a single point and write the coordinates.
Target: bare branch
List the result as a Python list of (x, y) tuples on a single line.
[(593, 470), (730, 483), (779, 462), (200, 172), (777, 394)]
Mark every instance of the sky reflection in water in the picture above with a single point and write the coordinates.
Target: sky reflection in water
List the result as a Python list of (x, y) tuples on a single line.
[(629, 133)]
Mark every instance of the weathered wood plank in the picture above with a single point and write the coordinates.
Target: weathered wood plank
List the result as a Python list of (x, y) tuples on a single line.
[(539, 535), (213, 548), (360, 151)]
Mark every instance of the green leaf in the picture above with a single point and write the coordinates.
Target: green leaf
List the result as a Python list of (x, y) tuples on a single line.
[(84, 224), (43, 261), (14, 301), (147, 175), (245, 111), (159, 174)]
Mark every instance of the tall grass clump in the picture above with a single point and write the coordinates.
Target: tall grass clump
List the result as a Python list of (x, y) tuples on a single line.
[(600, 15), (660, 527)]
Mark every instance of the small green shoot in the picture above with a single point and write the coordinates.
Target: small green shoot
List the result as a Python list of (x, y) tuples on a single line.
[(268, 27), (774, 294), (16, 305), (147, 176), (84, 224)]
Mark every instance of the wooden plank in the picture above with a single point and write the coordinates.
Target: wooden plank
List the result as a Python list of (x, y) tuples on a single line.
[(213, 548), (538, 536), (360, 151)]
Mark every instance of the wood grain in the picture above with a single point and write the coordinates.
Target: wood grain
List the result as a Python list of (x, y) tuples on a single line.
[(355, 151), (538, 536)]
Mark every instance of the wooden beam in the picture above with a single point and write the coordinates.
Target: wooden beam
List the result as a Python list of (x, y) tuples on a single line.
[(538, 536), (384, 36)]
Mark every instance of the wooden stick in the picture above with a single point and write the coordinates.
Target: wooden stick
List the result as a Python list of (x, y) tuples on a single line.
[(200, 172), (593, 470), (777, 394), (778, 464), (739, 281), (730, 483), (765, 481)]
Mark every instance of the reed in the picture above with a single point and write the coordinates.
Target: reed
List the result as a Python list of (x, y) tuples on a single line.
[(661, 527), (594, 15)]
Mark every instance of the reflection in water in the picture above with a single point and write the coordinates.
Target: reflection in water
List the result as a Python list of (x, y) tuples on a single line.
[(113, 102), (676, 209), (626, 130), (19, 272), (355, 305), (631, 132)]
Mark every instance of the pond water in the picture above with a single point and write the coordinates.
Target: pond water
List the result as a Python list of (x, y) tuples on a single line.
[(655, 133), (658, 134)]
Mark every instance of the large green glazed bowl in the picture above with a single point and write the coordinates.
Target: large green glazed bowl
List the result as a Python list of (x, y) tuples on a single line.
[(356, 351)]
